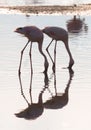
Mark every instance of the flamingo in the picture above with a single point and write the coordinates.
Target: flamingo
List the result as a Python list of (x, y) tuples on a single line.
[(58, 34), (33, 34)]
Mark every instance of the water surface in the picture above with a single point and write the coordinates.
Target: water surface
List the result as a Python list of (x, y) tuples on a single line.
[(76, 113), (42, 2)]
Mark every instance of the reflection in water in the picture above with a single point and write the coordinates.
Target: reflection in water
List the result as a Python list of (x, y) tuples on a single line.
[(76, 25), (33, 110), (59, 100)]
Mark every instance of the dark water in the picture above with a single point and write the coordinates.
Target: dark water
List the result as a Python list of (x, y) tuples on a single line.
[(42, 2), (73, 112)]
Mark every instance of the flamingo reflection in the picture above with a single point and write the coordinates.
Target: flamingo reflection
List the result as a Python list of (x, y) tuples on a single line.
[(59, 100), (76, 25), (34, 110)]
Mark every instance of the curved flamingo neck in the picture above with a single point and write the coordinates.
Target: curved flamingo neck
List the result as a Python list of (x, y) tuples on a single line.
[(46, 64), (71, 62)]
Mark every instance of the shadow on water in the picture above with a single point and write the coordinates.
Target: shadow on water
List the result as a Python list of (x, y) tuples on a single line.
[(59, 100), (76, 25)]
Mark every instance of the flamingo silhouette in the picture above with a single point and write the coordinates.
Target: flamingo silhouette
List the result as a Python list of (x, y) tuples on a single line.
[(34, 110), (33, 34), (58, 34), (59, 100)]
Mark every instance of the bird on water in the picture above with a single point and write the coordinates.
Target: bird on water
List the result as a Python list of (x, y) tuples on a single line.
[(58, 34), (33, 34)]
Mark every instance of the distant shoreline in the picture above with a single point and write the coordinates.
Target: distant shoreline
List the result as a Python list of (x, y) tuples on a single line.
[(75, 9)]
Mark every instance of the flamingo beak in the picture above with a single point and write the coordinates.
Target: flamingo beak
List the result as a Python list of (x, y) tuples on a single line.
[(16, 30)]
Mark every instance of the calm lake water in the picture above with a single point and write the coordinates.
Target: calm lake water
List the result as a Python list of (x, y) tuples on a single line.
[(42, 2), (73, 113)]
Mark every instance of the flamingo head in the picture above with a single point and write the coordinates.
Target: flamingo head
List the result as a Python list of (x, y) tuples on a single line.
[(20, 30)]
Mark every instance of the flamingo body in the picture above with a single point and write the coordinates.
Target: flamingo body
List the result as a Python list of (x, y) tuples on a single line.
[(34, 34), (57, 33)]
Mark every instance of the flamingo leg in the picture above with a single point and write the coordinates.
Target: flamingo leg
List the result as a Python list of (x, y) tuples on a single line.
[(55, 84), (71, 62), (48, 51), (54, 64), (19, 71), (22, 93), (31, 72), (55, 68), (31, 58)]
